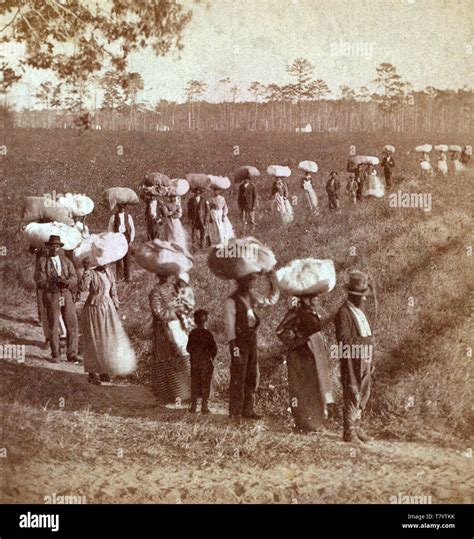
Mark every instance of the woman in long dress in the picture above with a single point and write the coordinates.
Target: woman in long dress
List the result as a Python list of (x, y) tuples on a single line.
[(220, 227), (171, 371), (106, 347), (172, 228), (309, 192), (281, 202), (443, 164), (308, 365)]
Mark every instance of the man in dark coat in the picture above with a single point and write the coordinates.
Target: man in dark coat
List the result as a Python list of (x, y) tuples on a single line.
[(247, 200), (387, 164), (198, 215), (332, 189), (241, 327), (355, 346), (56, 277), (122, 221)]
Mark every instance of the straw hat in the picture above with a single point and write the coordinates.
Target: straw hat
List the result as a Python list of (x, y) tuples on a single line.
[(358, 283)]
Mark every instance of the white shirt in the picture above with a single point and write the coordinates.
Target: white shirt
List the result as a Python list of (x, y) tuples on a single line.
[(154, 208), (57, 264), (361, 320), (122, 227)]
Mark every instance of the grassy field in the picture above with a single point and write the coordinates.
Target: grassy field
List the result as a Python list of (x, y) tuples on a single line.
[(114, 444)]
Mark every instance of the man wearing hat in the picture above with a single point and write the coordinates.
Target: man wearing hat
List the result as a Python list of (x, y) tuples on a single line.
[(56, 276), (332, 190), (198, 215), (122, 221), (387, 164), (355, 341), (247, 200)]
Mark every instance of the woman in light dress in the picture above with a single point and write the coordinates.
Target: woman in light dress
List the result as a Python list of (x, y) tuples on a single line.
[(281, 202), (172, 212), (443, 164), (220, 227), (171, 369), (106, 348), (310, 194)]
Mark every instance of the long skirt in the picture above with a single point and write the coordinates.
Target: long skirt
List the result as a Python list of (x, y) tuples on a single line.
[(312, 199), (171, 370), (283, 206), (309, 384), (442, 167), (173, 231), (106, 347), (220, 228)]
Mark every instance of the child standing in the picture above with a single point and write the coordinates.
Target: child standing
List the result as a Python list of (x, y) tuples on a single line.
[(351, 189), (332, 189), (203, 349)]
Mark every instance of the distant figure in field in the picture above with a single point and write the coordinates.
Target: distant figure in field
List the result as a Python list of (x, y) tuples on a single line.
[(172, 212), (355, 345), (466, 155), (310, 194), (247, 200), (281, 202), (202, 348), (198, 216), (121, 221), (359, 177), (152, 216), (443, 164), (388, 163), (56, 277), (351, 188), (220, 227), (332, 189)]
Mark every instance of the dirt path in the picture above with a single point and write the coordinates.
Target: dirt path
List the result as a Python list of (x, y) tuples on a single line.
[(114, 444)]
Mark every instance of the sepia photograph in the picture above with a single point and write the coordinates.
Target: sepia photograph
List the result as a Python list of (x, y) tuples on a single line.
[(236, 258)]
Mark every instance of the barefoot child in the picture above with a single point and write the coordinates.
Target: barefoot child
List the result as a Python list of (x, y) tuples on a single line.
[(203, 350)]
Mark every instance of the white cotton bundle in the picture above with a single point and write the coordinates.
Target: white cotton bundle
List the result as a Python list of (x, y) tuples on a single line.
[(307, 276), (441, 147), (120, 195), (45, 210), (198, 181), (424, 148), (458, 166), (244, 172), (240, 257), (426, 166), (163, 257), (178, 187), (374, 187), (79, 205), (278, 171), (156, 179), (363, 160), (38, 233), (219, 182), (455, 148), (389, 148), (102, 249), (308, 166)]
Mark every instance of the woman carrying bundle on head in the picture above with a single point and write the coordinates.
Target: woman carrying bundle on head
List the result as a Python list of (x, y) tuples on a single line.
[(172, 212), (281, 202), (309, 380), (220, 227)]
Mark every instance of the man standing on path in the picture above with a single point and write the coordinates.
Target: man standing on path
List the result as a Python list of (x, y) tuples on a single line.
[(198, 215), (122, 221), (56, 276), (355, 341), (387, 164), (247, 200), (241, 327)]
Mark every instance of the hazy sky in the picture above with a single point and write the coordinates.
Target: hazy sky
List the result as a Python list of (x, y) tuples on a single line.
[(429, 41)]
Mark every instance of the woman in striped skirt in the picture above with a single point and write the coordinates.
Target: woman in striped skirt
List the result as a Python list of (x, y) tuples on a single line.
[(171, 371)]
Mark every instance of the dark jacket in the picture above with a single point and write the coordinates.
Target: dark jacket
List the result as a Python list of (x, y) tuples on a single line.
[(201, 344), (247, 197), (332, 186), (47, 278), (242, 327), (387, 163), (198, 212), (346, 327)]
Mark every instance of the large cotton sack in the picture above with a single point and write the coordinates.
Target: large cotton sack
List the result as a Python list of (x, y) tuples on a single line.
[(163, 257), (441, 147), (244, 172), (219, 182), (38, 233), (373, 187), (44, 210), (458, 166), (389, 148), (240, 257), (363, 160), (307, 276), (156, 179), (455, 148), (308, 166), (424, 148), (426, 166), (198, 181), (278, 171), (178, 187), (79, 205), (120, 195), (102, 249)]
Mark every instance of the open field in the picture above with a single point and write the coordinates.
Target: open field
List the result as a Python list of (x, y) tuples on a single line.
[(114, 444)]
